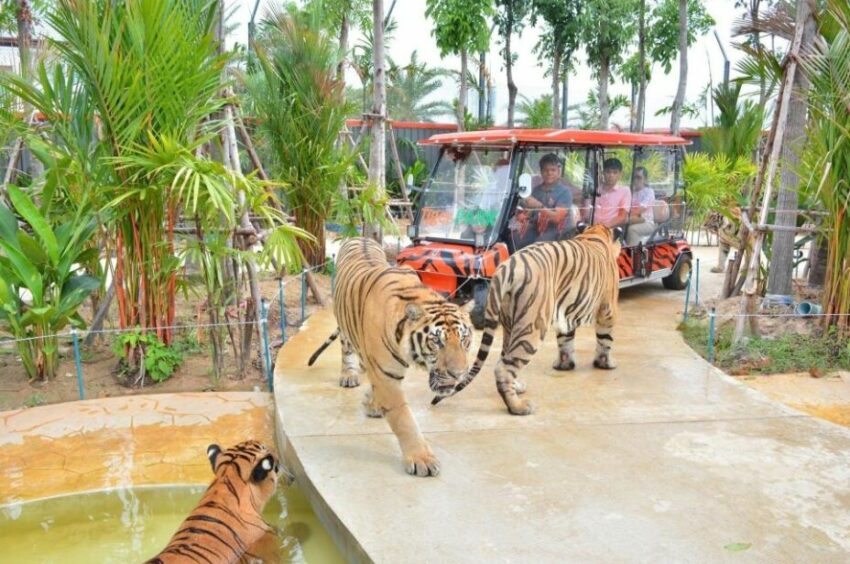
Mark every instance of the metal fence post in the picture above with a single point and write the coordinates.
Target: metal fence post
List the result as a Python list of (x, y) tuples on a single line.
[(687, 297), (281, 296), (303, 295), (264, 316), (333, 274), (78, 364), (712, 315), (696, 288)]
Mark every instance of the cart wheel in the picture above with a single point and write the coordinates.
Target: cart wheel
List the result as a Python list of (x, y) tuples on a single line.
[(678, 279), (479, 295)]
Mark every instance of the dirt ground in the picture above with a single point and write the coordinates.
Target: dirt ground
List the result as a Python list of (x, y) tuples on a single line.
[(99, 363)]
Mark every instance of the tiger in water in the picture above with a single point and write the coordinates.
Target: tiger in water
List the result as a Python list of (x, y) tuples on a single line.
[(561, 283), (387, 320), (227, 525)]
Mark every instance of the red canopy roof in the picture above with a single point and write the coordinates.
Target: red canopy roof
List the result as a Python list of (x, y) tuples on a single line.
[(553, 136)]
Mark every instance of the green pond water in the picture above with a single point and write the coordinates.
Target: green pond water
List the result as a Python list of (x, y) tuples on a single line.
[(131, 525)]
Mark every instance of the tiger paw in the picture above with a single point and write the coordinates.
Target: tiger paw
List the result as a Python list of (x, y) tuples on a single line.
[(604, 362), (422, 463), (564, 362), (371, 407), (349, 380), (521, 407)]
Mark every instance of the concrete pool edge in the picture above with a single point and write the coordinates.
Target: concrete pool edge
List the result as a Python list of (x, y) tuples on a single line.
[(345, 541)]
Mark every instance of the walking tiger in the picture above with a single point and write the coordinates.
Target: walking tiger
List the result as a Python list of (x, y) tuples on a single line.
[(561, 283)]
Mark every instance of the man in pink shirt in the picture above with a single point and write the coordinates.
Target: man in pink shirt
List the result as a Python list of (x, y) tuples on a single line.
[(613, 200)]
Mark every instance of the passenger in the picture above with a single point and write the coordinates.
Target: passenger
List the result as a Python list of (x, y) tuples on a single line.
[(612, 200), (642, 217), (550, 202)]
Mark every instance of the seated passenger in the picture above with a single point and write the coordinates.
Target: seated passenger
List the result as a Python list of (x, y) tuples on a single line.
[(612, 201), (546, 214), (642, 216)]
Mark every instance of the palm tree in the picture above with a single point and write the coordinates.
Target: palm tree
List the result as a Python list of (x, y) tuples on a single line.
[(300, 103), (536, 113), (410, 87)]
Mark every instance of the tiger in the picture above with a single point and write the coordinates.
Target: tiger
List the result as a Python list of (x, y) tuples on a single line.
[(561, 283), (227, 524), (387, 319)]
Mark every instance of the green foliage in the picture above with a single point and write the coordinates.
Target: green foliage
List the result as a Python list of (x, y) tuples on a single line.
[(300, 103), (608, 26), (561, 21), (460, 25), (589, 113), (662, 30), (785, 353), (34, 400), (715, 183), (827, 158), (738, 126), (41, 287), (365, 207), (160, 360), (537, 113), (409, 88)]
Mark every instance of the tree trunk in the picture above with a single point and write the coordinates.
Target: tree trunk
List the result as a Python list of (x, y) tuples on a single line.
[(461, 101), (782, 256), (378, 142), (818, 260), (556, 88), (512, 89), (24, 16), (343, 46), (676, 117), (603, 93), (641, 103)]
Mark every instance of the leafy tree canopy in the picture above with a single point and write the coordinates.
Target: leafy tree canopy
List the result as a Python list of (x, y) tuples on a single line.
[(662, 31), (561, 27), (460, 24), (607, 28)]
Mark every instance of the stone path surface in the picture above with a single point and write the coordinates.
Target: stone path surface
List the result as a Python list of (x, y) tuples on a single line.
[(663, 459)]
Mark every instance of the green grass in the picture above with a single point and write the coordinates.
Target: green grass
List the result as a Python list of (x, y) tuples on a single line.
[(785, 353)]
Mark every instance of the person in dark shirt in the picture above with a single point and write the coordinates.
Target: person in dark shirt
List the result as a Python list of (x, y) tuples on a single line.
[(550, 203)]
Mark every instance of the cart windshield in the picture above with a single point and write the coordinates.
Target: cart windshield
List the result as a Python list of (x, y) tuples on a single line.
[(466, 196)]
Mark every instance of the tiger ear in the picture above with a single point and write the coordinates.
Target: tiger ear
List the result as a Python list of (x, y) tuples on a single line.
[(212, 453), (262, 469), (412, 312)]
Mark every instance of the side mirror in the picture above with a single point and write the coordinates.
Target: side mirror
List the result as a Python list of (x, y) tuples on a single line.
[(413, 231), (524, 185), (580, 227)]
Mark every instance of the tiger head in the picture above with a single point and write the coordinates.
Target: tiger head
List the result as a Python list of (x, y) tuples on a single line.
[(599, 232), (440, 339), (250, 462)]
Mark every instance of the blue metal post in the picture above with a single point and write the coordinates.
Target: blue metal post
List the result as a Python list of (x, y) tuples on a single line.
[(264, 317), (712, 316), (281, 296), (77, 363), (303, 295), (696, 288), (687, 297)]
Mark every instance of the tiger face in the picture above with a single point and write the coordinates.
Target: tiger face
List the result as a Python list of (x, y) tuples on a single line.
[(440, 340), (250, 462)]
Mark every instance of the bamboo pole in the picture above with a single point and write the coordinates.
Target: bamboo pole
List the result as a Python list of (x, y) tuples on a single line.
[(408, 210), (750, 284)]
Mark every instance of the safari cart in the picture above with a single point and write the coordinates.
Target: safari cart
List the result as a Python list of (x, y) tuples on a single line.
[(494, 192)]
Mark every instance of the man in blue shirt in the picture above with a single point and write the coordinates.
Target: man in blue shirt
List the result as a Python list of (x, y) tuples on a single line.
[(550, 201)]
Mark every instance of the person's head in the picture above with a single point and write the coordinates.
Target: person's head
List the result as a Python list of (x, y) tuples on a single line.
[(550, 168), (612, 170), (640, 178)]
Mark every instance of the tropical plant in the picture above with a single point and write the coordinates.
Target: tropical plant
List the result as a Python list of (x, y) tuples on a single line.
[(460, 26), (560, 38), (41, 286), (536, 113), (738, 126), (827, 65), (716, 183), (367, 206), (149, 70), (300, 103), (589, 112), (410, 87)]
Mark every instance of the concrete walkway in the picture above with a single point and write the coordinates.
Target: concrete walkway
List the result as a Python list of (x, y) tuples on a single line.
[(663, 459)]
